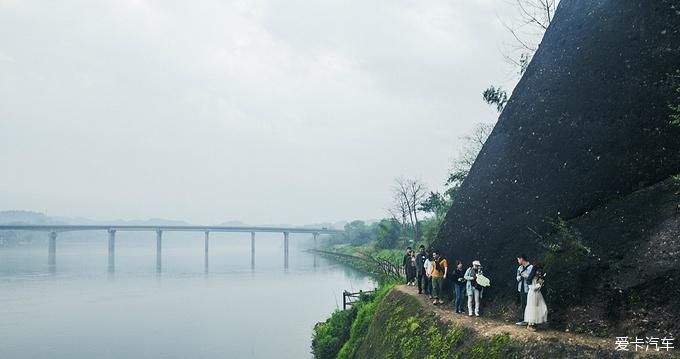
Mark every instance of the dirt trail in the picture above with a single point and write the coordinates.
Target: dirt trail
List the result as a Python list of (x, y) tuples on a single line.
[(489, 327)]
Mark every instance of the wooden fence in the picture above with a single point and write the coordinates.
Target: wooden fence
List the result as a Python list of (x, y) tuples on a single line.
[(378, 265), (348, 299)]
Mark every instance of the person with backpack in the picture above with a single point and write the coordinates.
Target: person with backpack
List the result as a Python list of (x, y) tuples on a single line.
[(473, 289), (439, 271)]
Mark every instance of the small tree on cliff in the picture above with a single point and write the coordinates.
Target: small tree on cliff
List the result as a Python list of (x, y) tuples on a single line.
[(495, 97), (675, 107), (436, 204)]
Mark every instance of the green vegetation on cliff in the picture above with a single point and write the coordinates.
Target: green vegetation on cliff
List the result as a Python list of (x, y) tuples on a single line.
[(405, 326), (340, 335), (675, 104), (567, 255), (401, 328)]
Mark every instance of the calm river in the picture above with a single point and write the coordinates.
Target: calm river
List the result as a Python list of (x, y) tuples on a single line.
[(233, 311)]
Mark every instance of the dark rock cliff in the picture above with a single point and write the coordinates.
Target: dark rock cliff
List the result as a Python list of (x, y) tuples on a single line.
[(588, 124)]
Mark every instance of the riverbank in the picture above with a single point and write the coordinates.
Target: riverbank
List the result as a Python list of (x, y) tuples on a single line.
[(340, 335), (394, 255), (382, 266)]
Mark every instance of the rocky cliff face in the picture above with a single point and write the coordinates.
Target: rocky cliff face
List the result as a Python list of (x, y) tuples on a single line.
[(588, 124)]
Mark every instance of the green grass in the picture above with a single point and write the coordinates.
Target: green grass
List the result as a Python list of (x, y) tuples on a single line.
[(339, 335), (361, 323), (402, 328)]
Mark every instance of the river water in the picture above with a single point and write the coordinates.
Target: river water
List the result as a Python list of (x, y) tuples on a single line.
[(81, 310)]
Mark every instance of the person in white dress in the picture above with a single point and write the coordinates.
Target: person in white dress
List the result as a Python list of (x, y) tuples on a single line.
[(536, 311)]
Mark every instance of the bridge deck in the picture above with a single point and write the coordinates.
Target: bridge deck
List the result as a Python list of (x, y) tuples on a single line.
[(115, 227)]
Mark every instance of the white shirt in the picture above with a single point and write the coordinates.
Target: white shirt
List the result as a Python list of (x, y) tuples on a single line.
[(428, 267)]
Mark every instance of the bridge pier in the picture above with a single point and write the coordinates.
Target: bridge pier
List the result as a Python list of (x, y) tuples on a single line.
[(52, 252), (112, 250), (53, 230), (252, 250), (207, 240), (285, 249), (159, 240)]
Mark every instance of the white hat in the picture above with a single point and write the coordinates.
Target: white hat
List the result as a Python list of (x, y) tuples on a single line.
[(476, 263)]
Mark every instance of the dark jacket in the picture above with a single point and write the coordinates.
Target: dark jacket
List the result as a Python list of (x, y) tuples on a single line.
[(420, 262), (457, 275)]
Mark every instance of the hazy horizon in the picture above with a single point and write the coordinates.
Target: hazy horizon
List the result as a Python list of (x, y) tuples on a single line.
[(88, 220), (261, 112)]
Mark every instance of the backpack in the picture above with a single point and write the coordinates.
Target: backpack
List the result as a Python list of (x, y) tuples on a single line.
[(438, 266), (473, 282)]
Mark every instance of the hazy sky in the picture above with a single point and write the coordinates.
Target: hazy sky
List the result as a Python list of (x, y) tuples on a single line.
[(261, 111)]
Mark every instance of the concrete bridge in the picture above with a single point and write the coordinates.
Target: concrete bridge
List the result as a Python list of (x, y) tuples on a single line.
[(53, 230)]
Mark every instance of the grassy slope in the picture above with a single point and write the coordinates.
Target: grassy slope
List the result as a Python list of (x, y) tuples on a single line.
[(402, 327), (361, 324)]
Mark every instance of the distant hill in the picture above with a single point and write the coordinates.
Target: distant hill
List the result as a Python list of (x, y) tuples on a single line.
[(330, 225), (28, 217)]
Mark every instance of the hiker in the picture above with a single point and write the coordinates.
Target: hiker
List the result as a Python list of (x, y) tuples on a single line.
[(439, 271), (458, 277), (473, 289), (411, 268), (428, 276), (407, 265), (421, 257), (523, 272), (536, 311)]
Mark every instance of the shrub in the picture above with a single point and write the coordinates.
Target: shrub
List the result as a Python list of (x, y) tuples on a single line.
[(330, 335), (365, 313), (567, 258), (675, 105)]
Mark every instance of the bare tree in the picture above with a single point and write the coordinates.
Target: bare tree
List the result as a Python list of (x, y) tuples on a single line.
[(417, 194), (472, 145), (399, 210), (409, 194), (527, 28)]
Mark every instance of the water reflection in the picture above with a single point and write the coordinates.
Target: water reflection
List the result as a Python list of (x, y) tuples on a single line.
[(183, 313)]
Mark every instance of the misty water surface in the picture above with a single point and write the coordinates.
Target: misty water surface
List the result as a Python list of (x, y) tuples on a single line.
[(81, 311)]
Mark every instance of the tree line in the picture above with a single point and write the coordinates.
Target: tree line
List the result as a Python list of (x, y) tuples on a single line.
[(416, 212)]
